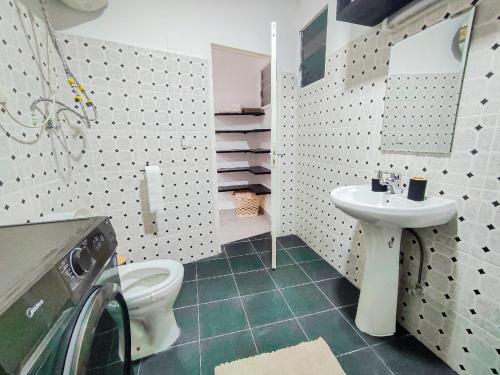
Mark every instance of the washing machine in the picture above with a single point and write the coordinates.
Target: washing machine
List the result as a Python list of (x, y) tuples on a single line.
[(56, 316)]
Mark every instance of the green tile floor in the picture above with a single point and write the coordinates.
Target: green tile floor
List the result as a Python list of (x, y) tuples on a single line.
[(233, 306)]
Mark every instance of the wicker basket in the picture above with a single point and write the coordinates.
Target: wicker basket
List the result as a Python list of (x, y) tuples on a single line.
[(247, 203)]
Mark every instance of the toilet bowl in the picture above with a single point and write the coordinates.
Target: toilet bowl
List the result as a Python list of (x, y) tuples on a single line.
[(150, 289)]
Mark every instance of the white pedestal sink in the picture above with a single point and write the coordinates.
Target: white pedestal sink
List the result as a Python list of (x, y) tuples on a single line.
[(383, 216)]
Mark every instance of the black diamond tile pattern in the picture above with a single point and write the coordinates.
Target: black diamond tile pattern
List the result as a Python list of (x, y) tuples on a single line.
[(147, 101), (330, 136), (333, 132)]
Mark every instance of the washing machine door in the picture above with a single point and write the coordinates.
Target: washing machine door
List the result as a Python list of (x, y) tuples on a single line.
[(100, 341)]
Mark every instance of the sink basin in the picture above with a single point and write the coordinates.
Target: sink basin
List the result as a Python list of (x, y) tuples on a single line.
[(392, 209), (383, 217)]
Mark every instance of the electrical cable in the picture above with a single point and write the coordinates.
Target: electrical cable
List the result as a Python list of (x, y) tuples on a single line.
[(51, 92), (71, 78)]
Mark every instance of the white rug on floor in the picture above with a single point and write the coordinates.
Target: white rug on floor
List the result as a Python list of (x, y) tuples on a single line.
[(313, 357)]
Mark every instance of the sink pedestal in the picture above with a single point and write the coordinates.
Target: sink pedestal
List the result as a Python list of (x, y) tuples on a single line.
[(376, 314), (382, 217)]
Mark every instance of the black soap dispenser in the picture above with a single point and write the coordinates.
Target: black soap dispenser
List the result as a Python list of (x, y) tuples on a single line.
[(376, 185)]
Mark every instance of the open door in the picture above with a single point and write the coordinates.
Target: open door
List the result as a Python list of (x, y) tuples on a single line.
[(275, 149)]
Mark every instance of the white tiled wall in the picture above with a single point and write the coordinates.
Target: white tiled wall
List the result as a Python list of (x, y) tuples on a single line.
[(336, 142), (330, 133), (147, 101), (287, 130)]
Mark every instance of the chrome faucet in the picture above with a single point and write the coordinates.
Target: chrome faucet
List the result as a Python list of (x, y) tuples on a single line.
[(392, 180)]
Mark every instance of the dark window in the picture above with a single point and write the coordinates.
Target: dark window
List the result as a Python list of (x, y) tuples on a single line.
[(313, 49)]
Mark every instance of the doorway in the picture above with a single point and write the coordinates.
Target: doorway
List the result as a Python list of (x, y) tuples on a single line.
[(242, 110)]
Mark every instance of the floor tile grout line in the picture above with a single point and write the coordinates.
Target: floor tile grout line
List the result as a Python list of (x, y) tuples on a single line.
[(215, 277), (304, 262), (352, 351), (366, 342), (259, 269), (184, 307), (289, 286), (293, 318), (280, 291), (248, 239), (256, 327), (253, 294), (385, 342), (273, 323), (185, 343), (342, 315), (292, 247), (242, 305), (225, 334), (381, 360), (282, 321), (208, 338), (219, 256), (289, 308), (316, 285), (256, 251), (248, 322), (239, 255), (282, 296)]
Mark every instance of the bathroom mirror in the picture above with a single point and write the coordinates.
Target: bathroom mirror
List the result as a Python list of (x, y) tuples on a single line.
[(424, 85)]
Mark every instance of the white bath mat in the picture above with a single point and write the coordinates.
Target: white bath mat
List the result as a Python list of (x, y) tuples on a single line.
[(313, 357)]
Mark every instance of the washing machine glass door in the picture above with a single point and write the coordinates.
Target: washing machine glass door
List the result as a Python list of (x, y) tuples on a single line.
[(100, 342)]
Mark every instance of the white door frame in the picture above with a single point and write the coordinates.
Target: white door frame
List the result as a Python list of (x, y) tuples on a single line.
[(213, 147), (275, 149)]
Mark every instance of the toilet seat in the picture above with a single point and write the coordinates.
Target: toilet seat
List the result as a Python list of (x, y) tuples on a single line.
[(146, 282)]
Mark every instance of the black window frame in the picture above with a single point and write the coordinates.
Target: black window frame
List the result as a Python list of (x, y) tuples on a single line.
[(313, 38)]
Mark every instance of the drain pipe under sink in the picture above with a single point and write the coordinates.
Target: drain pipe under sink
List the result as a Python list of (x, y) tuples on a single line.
[(418, 286)]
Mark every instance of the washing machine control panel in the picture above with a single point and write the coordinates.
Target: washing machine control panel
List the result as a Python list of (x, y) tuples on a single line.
[(83, 264), (97, 242), (77, 264), (68, 274)]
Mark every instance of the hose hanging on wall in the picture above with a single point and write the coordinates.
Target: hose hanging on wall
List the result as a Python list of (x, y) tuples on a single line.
[(52, 91), (84, 104), (79, 92)]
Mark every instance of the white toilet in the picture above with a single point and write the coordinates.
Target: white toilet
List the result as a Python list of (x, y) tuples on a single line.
[(150, 289)]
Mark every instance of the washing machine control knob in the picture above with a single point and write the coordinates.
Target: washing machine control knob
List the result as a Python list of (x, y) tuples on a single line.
[(81, 261)]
